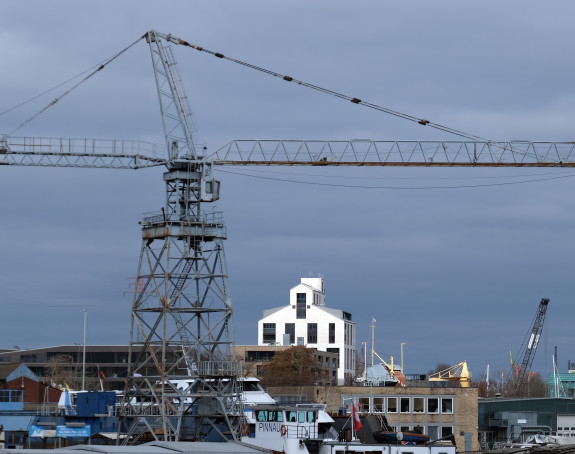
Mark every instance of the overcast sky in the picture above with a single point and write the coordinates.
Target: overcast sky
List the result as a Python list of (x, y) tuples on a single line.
[(453, 262)]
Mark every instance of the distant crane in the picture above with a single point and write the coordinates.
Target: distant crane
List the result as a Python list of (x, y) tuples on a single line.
[(182, 307), (529, 347)]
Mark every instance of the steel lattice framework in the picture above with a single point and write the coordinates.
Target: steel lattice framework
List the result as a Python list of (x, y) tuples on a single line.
[(529, 349), (397, 153), (181, 323), (182, 308)]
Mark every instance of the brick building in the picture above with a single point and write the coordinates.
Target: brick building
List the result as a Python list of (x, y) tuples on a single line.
[(438, 411), (21, 389)]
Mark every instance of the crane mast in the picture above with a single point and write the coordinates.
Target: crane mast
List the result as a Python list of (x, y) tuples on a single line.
[(182, 308)]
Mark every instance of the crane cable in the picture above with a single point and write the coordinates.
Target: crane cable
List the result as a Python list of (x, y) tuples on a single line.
[(354, 100), (409, 188), (52, 103)]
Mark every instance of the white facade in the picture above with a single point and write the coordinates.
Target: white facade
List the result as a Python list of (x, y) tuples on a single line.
[(307, 321)]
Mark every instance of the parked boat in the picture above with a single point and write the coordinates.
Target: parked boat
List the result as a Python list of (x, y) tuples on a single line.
[(309, 429), (401, 437)]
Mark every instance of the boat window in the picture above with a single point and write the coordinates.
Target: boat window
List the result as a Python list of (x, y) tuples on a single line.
[(292, 416), (301, 416), (251, 387), (269, 415), (310, 416)]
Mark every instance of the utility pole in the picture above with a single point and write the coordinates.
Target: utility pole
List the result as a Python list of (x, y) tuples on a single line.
[(84, 352)]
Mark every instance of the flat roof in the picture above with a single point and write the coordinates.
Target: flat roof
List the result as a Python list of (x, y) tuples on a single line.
[(155, 447)]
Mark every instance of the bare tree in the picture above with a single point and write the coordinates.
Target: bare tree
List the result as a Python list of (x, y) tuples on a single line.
[(295, 366)]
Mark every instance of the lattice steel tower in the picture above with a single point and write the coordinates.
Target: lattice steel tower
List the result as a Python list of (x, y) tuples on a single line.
[(182, 310)]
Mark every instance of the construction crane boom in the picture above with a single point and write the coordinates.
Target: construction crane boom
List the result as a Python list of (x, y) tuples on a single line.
[(397, 153), (135, 154), (531, 345)]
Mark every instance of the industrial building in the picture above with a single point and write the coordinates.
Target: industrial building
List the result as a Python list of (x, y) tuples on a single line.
[(104, 364), (503, 420)]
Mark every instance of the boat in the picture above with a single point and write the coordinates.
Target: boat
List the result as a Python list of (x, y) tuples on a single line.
[(401, 437), (309, 429)]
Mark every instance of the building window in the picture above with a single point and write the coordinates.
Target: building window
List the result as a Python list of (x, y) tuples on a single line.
[(259, 356), (433, 405), (446, 406), (378, 404), (290, 329), (300, 341), (446, 431), (363, 404), (392, 404), (404, 404), (332, 333), (418, 405), (269, 333), (312, 333), (300, 306)]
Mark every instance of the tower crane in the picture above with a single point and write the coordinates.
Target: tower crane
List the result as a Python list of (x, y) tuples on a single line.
[(529, 347), (182, 308)]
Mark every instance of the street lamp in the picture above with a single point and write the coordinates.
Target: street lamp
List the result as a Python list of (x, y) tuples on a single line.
[(402, 344)]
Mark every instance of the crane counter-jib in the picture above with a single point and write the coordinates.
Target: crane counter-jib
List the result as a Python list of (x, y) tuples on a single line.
[(80, 152)]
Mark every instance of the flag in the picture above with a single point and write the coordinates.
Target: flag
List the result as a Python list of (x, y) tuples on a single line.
[(101, 374), (355, 417)]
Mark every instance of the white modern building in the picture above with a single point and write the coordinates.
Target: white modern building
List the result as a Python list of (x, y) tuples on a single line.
[(307, 321)]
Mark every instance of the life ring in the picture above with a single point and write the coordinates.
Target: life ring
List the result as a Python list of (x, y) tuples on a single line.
[(245, 429), (283, 430)]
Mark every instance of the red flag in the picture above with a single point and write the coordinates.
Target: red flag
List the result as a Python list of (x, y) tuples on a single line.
[(355, 417)]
